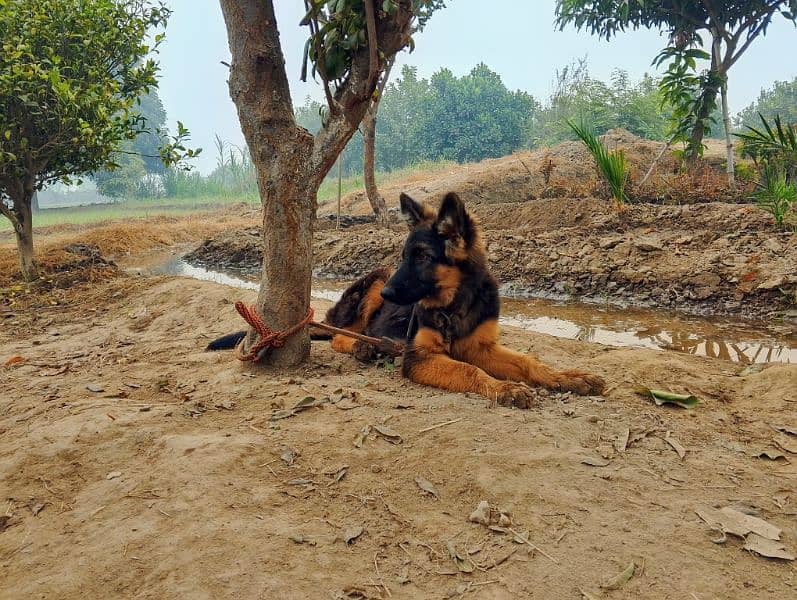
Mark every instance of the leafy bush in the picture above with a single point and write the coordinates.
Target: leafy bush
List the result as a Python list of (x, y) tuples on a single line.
[(611, 163), (775, 194), (774, 151)]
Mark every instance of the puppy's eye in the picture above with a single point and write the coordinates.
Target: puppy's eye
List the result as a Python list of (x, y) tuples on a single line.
[(424, 258)]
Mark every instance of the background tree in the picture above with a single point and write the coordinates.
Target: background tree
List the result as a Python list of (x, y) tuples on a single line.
[(369, 123), (618, 103), (66, 101), (350, 43), (780, 99), (731, 26)]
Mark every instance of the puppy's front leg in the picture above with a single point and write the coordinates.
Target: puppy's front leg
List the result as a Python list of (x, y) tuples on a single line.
[(426, 362), (482, 349)]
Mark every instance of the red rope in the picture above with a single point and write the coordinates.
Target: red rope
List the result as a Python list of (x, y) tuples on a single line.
[(268, 337)]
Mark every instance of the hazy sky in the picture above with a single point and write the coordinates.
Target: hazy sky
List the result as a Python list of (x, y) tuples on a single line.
[(516, 38)]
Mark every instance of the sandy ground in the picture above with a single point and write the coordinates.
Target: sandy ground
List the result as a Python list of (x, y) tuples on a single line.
[(135, 465)]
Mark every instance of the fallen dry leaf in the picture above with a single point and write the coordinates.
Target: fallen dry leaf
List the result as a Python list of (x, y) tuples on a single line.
[(288, 457), (482, 513), (676, 445), (36, 507), (339, 474), (95, 387), (621, 444), (427, 486), (737, 523), (594, 461), (462, 563), (616, 582), (113, 475), (300, 539), (361, 437), (765, 547), (388, 434), (788, 429), (352, 533), (14, 361), (771, 454), (784, 442)]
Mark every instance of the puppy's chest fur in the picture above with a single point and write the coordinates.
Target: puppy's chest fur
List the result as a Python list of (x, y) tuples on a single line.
[(475, 302)]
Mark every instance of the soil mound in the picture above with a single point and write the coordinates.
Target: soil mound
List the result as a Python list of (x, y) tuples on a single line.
[(707, 258)]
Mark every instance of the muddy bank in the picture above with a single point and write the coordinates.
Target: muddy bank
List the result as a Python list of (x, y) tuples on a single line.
[(713, 258)]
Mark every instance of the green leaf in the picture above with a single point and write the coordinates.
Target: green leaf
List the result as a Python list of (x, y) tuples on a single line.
[(661, 397)]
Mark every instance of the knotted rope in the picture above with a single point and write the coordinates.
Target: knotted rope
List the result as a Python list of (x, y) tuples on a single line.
[(268, 337)]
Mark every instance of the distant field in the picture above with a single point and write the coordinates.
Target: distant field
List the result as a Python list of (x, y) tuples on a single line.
[(143, 208)]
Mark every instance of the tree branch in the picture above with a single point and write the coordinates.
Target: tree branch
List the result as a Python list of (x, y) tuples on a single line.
[(8, 213), (355, 93), (255, 47), (319, 63), (373, 45)]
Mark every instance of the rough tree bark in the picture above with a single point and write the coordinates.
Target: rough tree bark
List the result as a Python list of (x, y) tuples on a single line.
[(369, 154), (21, 216), (289, 161), (24, 231)]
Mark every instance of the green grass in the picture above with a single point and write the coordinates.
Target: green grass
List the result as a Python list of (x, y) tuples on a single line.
[(148, 207), (129, 209), (611, 163)]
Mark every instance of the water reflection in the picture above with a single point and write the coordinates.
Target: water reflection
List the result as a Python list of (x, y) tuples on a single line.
[(737, 341)]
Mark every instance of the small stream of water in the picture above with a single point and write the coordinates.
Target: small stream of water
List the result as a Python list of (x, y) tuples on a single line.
[(734, 340)]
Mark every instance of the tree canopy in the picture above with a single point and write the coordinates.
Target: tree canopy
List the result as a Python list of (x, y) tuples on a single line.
[(731, 26), (70, 74)]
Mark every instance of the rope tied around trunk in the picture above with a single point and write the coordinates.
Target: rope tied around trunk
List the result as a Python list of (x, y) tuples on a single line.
[(268, 337)]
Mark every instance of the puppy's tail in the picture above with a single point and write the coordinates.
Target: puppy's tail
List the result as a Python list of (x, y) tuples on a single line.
[(226, 342), (231, 340)]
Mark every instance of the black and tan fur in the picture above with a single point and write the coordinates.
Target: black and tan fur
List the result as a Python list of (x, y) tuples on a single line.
[(443, 301)]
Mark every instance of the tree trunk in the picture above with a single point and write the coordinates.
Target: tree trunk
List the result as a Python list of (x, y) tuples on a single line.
[(290, 162), (369, 149), (282, 155), (726, 120), (23, 227), (289, 203)]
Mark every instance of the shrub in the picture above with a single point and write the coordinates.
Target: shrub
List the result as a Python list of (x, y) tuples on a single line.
[(612, 164)]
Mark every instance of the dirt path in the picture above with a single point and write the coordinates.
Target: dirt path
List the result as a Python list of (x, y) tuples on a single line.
[(170, 481)]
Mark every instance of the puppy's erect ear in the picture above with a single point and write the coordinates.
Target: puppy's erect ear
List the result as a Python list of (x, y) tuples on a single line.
[(414, 212), (457, 226)]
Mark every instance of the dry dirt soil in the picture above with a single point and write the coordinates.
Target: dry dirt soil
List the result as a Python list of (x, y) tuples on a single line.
[(135, 465)]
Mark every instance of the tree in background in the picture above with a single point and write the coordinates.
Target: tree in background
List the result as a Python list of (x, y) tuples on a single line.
[(369, 123), (780, 99), (731, 25), (139, 157), (350, 43), (474, 117), (579, 97), (67, 100)]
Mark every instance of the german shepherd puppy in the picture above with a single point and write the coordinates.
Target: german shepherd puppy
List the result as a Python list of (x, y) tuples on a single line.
[(443, 301)]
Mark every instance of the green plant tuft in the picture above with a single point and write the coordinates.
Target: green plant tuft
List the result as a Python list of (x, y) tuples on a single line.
[(611, 163)]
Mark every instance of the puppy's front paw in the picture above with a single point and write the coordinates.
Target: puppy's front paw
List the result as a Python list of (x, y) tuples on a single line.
[(363, 351), (512, 393), (582, 383)]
